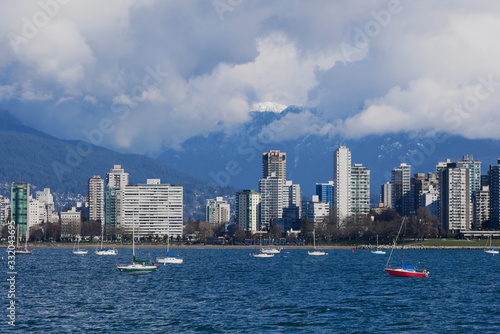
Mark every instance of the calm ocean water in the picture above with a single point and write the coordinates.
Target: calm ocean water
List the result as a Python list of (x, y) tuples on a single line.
[(227, 291)]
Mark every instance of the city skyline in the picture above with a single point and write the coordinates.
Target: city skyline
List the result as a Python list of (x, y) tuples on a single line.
[(213, 146)]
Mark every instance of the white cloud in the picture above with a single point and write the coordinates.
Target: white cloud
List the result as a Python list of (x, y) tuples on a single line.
[(7, 92), (22, 92), (296, 125), (90, 99), (413, 71)]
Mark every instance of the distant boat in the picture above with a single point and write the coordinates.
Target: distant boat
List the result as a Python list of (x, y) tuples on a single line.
[(170, 258), (20, 249), (403, 269), (271, 250), (102, 250), (76, 248), (316, 252), (261, 253), (137, 266), (489, 249), (378, 251)]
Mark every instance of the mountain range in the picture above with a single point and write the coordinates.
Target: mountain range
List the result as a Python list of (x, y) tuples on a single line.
[(64, 166), (234, 157), (221, 163)]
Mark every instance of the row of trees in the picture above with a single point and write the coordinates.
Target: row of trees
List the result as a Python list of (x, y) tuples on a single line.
[(385, 224)]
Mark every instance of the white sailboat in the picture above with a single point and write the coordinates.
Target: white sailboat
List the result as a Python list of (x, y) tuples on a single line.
[(378, 251), (76, 247), (170, 258), (489, 249), (22, 250), (137, 266), (271, 250), (316, 252), (102, 250), (261, 253)]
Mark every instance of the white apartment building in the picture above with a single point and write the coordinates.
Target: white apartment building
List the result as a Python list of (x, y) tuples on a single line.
[(342, 182), (455, 203), (271, 200), (36, 212), (360, 189), (152, 209)]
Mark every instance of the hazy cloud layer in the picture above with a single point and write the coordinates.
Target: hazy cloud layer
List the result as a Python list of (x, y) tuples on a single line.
[(148, 74)]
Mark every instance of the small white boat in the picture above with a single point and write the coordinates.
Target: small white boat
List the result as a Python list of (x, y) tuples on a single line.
[(261, 254), (316, 252), (271, 250), (80, 251), (22, 250), (264, 252), (76, 248), (378, 251), (170, 258), (105, 251), (489, 249)]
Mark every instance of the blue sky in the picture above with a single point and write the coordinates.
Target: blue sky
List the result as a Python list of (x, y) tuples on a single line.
[(138, 76)]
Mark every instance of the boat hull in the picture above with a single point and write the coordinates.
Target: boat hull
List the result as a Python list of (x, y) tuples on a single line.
[(80, 252), (378, 252), (106, 252), (491, 251), (271, 250), (26, 251), (137, 268), (317, 253), (169, 260), (406, 272), (263, 255)]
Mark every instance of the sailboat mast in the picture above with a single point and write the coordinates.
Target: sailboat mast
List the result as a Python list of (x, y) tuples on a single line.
[(395, 241), (26, 235), (314, 237), (133, 235)]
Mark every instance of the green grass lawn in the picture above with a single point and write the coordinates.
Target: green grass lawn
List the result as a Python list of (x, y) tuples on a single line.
[(455, 242)]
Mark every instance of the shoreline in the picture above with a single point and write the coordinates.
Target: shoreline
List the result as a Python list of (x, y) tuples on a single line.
[(203, 246)]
